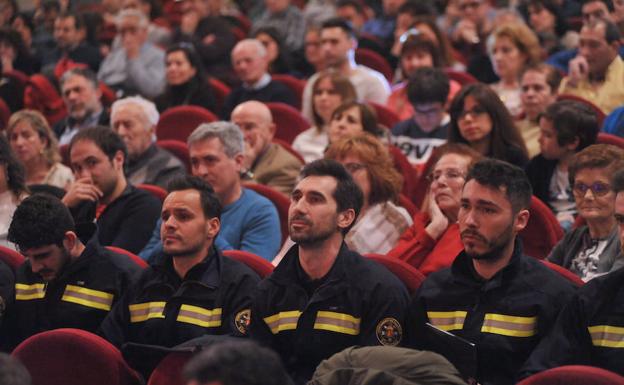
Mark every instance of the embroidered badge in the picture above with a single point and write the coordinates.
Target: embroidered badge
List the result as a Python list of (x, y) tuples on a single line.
[(389, 332), (242, 320)]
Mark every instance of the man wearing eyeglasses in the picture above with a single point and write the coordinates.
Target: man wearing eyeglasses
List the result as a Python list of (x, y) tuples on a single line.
[(589, 330), (493, 295)]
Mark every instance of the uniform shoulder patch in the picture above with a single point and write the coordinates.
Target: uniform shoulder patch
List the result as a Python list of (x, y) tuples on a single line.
[(389, 332), (241, 321)]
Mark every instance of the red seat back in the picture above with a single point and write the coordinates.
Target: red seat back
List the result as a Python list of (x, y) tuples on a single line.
[(409, 275), (542, 232), (405, 169), (281, 202), (11, 257), (372, 59), (288, 120), (462, 78), (135, 258), (385, 116), (5, 114), (407, 204), (605, 138), (220, 91), (156, 191), (565, 273), (73, 357), (169, 370), (294, 84), (574, 375), (600, 115), (256, 263), (179, 122), (178, 149)]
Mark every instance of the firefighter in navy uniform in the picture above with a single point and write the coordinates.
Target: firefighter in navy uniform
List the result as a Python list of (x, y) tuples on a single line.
[(64, 283), (192, 290), (590, 328), (323, 298), (493, 296)]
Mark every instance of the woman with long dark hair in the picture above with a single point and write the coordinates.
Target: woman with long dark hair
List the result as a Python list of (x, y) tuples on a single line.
[(12, 188)]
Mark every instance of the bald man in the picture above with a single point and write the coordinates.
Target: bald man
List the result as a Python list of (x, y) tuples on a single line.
[(251, 64), (266, 162)]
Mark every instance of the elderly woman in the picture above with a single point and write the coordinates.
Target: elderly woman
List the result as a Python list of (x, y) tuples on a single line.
[(12, 188), (433, 241), (329, 91), (592, 249), (381, 222), (511, 48), (35, 145)]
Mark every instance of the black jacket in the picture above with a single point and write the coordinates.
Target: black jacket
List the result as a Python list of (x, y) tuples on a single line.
[(80, 297), (505, 317), (589, 330), (165, 310), (358, 302)]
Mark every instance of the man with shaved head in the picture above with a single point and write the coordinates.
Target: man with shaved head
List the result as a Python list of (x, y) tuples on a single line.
[(251, 63), (266, 162)]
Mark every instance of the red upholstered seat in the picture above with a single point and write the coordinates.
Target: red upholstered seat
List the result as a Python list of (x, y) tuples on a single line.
[(169, 370), (178, 149), (178, 122), (5, 114), (73, 357), (405, 169), (407, 204), (460, 77), (574, 375), (565, 273), (409, 275), (294, 84), (605, 138), (281, 202), (600, 115), (372, 59), (11, 257), (542, 232), (156, 191), (220, 91), (135, 258), (256, 263), (385, 116), (288, 120)]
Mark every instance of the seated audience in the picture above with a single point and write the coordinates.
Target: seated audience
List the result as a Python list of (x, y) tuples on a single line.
[(433, 242), (236, 363), (493, 295), (278, 55), (265, 162), (249, 220), (68, 280), (594, 248), (480, 119), (338, 43), (186, 80), (353, 12), (597, 72), (312, 60), (35, 145), (539, 84), (427, 128), (250, 62), (158, 35), (353, 118), (134, 119), (101, 193), (136, 66), (587, 330), (12, 188), (546, 19), (329, 91), (81, 94), (566, 128), (193, 290), (382, 26), (512, 48), (287, 18), (15, 55), (381, 221)]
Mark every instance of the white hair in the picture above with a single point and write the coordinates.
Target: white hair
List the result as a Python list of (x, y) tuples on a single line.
[(260, 48), (148, 109), (142, 20)]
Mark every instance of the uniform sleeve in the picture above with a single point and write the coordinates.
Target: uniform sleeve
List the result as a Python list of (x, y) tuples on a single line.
[(416, 320), (135, 231), (115, 325), (384, 322), (7, 289), (567, 343), (238, 317), (259, 331), (262, 235)]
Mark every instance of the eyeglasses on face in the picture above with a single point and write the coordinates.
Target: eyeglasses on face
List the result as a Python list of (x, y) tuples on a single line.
[(477, 111), (597, 188)]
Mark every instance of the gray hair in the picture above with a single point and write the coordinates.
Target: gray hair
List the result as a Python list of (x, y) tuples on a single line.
[(142, 20), (228, 133), (77, 71), (150, 113), (260, 48)]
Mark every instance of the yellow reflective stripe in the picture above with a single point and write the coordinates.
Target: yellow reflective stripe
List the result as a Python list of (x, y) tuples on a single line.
[(337, 322), (607, 336), (25, 292), (284, 320), (447, 320), (512, 326), (140, 312), (199, 316), (88, 297)]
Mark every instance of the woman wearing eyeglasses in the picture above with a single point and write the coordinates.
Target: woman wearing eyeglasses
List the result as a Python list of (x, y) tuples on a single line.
[(480, 120), (433, 241), (593, 249)]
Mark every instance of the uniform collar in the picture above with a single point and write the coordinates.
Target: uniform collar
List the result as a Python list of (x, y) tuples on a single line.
[(290, 271), (208, 271)]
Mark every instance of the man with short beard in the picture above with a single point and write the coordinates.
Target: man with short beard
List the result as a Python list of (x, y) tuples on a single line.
[(322, 297), (493, 295), (68, 280)]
